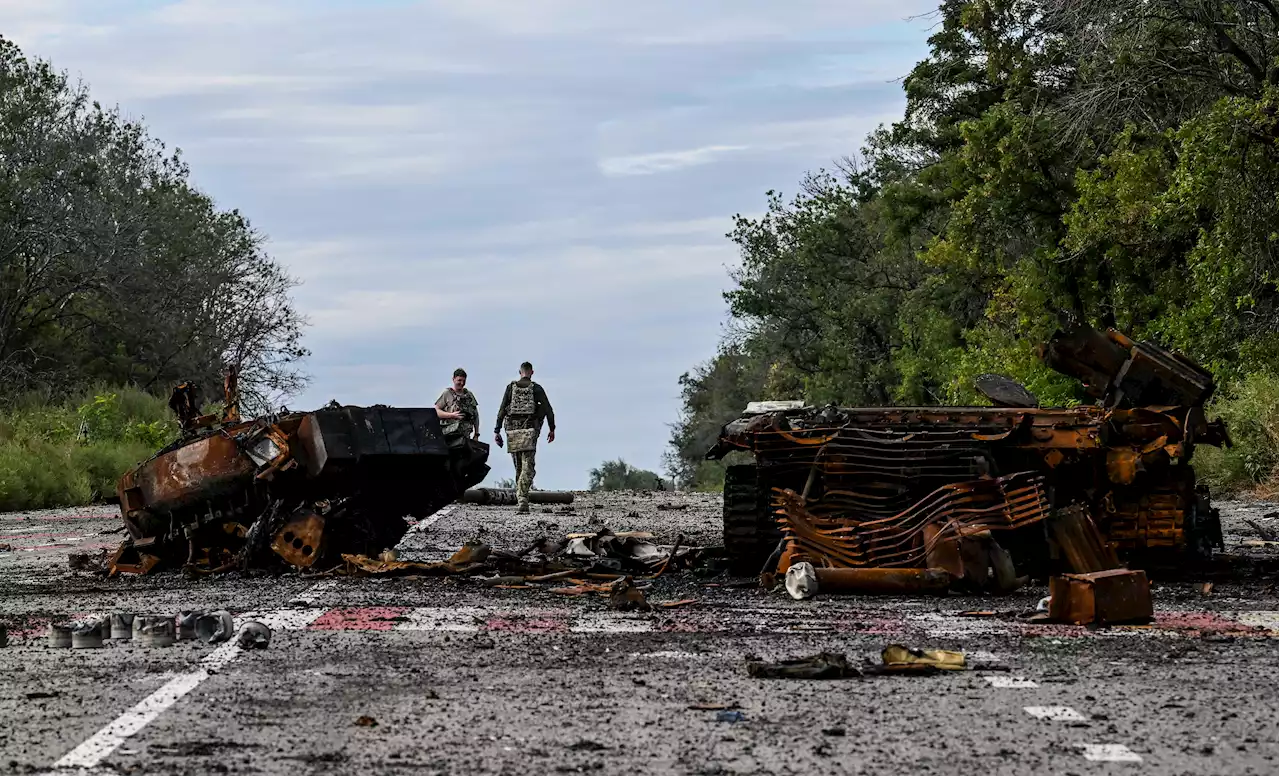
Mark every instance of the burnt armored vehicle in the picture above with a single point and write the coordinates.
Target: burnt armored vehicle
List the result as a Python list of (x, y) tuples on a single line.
[(875, 486), (298, 488)]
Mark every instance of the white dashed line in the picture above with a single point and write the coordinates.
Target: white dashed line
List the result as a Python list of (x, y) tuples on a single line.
[(606, 622), (1110, 753), (1268, 620), (87, 755), (1054, 713), (452, 618), (1010, 682), (309, 596)]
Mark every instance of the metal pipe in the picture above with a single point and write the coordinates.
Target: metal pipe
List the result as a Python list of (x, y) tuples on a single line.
[(883, 581)]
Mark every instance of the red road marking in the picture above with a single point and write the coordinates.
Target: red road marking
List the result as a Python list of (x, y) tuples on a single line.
[(368, 618)]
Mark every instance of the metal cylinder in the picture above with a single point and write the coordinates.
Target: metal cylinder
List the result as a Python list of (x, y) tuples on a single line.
[(883, 581)]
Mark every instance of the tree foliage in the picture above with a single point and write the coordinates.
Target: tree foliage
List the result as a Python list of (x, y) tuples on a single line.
[(620, 475), (1113, 163), (114, 268)]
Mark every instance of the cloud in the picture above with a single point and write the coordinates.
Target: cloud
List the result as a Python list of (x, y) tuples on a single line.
[(665, 161), (477, 183)]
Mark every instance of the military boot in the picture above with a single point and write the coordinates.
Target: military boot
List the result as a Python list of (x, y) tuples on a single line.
[(522, 508)]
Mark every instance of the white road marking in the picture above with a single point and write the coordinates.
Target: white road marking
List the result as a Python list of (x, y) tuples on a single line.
[(309, 596), (442, 618), (1013, 682), (1054, 713), (608, 622), (1110, 753), (427, 522), (673, 654), (88, 754), (1268, 620)]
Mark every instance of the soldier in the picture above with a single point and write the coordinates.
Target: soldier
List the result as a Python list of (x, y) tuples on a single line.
[(524, 407), (459, 399)]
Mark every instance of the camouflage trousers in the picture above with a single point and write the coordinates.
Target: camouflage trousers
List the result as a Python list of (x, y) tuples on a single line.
[(524, 475)]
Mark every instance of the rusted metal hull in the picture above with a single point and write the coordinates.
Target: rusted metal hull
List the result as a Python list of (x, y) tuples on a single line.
[(856, 486), (296, 488)]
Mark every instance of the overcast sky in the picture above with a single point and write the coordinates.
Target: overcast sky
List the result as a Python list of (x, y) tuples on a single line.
[(479, 182)]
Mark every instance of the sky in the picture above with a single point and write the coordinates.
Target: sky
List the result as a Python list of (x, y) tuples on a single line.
[(478, 183)]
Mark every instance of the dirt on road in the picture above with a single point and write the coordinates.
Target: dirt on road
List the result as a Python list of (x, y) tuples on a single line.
[(440, 675)]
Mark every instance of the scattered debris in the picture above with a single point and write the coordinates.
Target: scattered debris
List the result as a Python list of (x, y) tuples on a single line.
[(899, 659), (79, 561), (121, 626), (713, 706), (4, 636), (865, 581), (833, 731), (1206, 589), (154, 631), (86, 635), (730, 716), (365, 720), (253, 635), (824, 665), (59, 636), (214, 627), (1102, 597), (672, 507), (625, 596), (674, 604)]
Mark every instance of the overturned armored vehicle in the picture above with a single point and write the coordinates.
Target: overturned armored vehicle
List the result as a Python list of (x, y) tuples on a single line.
[(1059, 488), (297, 488)]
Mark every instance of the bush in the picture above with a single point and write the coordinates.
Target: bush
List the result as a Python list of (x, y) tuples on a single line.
[(74, 452), (1251, 410)]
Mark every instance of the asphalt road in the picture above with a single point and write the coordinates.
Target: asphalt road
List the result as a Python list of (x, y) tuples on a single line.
[(455, 678)]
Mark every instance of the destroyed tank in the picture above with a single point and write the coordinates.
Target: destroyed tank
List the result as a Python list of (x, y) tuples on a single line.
[(861, 486), (298, 488)]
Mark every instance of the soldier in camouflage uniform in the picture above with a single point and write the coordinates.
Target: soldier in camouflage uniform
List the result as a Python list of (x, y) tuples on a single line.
[(457, 398), (524, 407)]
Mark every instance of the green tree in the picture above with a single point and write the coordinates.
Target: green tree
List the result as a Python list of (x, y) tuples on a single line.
[(620, 475), (114, 268)]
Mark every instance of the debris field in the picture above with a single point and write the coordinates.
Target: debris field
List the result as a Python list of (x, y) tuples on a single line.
[(443, 673)]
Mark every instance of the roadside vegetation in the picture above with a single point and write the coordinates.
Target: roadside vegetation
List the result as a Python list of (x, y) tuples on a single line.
[(73, 451), (1058, 161), (115, 270), (620, 475)]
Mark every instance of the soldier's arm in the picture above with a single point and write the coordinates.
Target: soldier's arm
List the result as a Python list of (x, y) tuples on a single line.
[(442, 401), (545, 405), (502, 409)]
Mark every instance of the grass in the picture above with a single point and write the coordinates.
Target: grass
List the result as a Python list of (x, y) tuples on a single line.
[(72, 452)]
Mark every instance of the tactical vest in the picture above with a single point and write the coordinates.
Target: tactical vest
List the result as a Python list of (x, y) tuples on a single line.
[(522, 436)]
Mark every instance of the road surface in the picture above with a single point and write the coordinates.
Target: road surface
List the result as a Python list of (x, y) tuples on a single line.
[(440, 676)]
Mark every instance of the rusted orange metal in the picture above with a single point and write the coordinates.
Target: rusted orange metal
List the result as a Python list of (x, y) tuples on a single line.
[(1126, 461)]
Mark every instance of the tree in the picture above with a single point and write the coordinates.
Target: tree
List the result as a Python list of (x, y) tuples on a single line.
[(620, 475), (1058, 161), (114, 268)]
